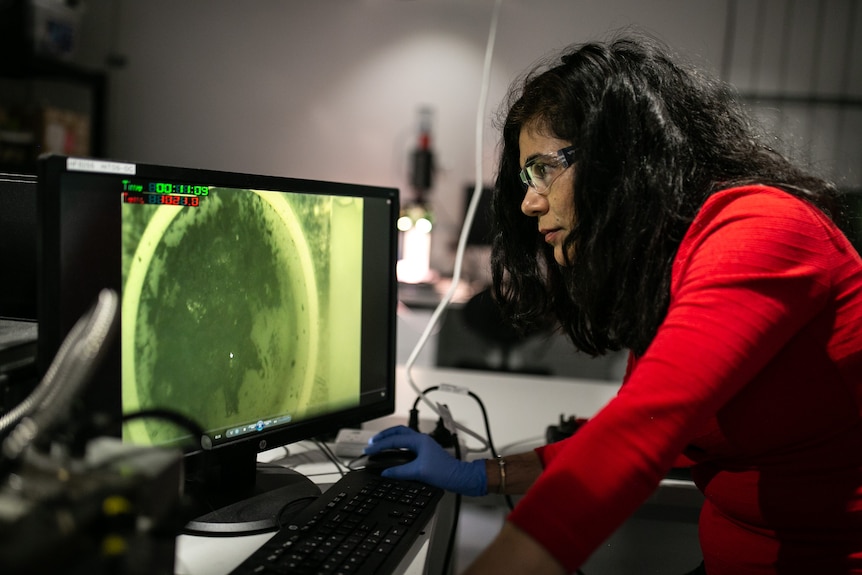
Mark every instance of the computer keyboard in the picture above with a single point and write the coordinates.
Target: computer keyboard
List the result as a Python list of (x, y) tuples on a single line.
[(363, 524)]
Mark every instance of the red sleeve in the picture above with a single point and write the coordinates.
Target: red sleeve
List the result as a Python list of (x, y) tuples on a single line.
[(751, 271)]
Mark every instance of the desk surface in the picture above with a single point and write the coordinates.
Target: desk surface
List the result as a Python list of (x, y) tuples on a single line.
[(519, 407), (197, 555)]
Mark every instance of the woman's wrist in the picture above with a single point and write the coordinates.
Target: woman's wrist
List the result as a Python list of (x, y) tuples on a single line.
[(495, 470), (512, 474)]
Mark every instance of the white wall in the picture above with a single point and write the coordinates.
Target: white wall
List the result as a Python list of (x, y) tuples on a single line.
[(331, 89)]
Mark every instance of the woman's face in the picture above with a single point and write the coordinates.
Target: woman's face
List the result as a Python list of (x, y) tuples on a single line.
[(552, 207)]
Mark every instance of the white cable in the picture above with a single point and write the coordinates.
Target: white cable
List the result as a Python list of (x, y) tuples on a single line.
[(468, 221)]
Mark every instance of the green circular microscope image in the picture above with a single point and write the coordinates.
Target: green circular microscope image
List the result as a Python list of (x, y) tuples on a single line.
[(216, 311)]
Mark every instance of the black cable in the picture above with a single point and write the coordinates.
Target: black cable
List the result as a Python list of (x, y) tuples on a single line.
[(414, 424), (194, 429), (414, 420), (456, 513), (291, 508), (330, 455), (414, 413)]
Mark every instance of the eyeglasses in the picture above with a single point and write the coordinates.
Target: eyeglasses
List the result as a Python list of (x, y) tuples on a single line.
[(541, 171)]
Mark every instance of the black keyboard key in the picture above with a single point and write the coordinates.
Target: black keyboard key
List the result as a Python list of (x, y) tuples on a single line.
[(363, 524)]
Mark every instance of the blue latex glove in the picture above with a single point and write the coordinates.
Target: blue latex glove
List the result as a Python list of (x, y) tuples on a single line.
[(433, 464)]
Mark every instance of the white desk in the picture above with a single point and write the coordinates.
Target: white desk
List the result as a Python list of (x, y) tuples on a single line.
[(661, 537), (519, 407), (219, 555)]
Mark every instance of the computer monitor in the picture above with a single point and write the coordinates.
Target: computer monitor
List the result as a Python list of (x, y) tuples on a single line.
[(480, 228), (18, 247), (261, 308)]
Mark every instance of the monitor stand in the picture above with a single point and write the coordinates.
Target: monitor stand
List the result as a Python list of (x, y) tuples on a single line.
[(278, 494)]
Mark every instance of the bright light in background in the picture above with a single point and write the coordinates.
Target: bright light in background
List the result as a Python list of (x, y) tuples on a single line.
[(414, 266), (404, 223), (416, 70), (423, 226), (414, 263)]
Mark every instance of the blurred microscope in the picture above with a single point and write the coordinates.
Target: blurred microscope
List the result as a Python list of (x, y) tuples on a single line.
[(75, 503)]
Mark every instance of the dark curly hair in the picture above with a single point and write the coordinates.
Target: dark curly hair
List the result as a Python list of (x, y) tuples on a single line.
[(655, 138)]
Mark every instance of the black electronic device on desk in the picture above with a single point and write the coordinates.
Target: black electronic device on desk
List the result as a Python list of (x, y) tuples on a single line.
[(364, 525), (17, 361), (18, 251), (18, 286), (76, 504), (261, 308)]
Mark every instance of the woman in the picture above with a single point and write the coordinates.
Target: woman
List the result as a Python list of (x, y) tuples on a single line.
[(635, 203)]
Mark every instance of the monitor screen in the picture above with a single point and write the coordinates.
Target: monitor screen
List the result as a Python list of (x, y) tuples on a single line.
[(261, 308), (18, 247), (480, 229)]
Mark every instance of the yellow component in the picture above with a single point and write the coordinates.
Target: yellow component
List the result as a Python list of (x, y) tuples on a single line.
[(116, 505), (113, 545)]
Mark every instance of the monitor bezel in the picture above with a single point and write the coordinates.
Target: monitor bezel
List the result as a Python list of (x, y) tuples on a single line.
[(18, 251), (58, 310)]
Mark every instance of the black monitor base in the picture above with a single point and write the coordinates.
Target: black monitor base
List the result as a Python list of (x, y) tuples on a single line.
[(279, 493)]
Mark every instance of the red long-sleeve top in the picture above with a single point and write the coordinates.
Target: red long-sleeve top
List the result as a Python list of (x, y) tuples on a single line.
[(756, 376)]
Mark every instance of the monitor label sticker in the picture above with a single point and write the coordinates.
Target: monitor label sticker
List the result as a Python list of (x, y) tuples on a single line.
[(100, 166)]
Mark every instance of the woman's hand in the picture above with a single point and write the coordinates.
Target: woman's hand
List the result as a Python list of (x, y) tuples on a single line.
[(433, 464)]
